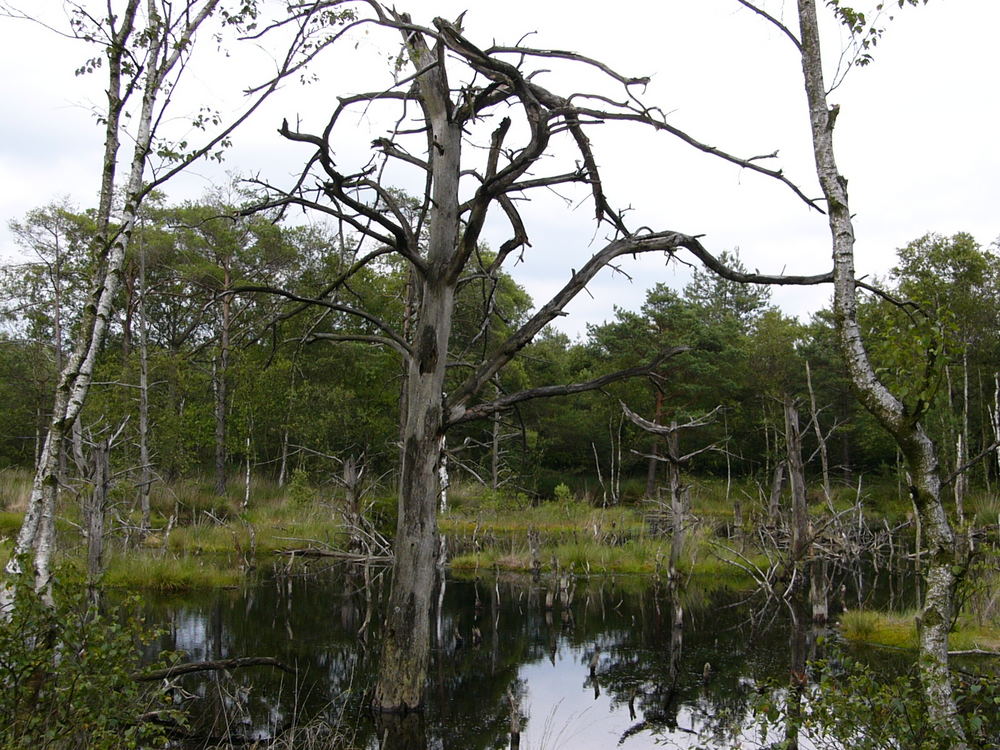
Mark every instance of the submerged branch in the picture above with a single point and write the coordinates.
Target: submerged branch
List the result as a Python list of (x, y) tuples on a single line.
[(208, 666)]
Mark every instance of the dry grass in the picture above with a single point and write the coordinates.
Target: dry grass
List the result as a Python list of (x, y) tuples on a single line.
[(15, 490)]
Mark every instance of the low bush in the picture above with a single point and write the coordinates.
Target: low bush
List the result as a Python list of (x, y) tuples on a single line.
[(66, 675)]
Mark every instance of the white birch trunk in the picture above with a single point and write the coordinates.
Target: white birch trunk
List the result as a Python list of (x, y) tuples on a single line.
[(38, 527), (145, 471), (917, 448)]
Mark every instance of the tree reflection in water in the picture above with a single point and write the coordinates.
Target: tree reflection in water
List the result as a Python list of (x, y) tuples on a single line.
[(624, 660)]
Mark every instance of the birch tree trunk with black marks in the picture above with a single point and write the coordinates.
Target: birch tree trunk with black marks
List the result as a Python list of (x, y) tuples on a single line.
[(145, 47), (37, 529), (901, 422)]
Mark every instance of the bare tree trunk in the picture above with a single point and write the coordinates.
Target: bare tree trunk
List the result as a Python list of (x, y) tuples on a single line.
[(220, 369), (246, 476), (283, 466), (406, 638), (406, 641), (774, 501), (145, 470), (95, 507), (819, 590), (797, 481), (443, 475), (678, 494), (996, 417), (495, 452), (962, 448), (901, 422), (654, 449), (824, 459)]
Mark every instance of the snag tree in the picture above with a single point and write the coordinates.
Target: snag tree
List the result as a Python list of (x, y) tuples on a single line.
[(481, 133)]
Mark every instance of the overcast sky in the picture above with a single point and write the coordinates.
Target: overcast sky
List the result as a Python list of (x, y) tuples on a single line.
[(916, 136)]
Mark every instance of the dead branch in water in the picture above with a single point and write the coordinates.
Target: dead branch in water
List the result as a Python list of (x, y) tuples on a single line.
[(207, 666)]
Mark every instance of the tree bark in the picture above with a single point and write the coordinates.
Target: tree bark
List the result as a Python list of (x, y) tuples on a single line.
[(774, 501), (94, 509), (38, 527), (220, 369), (163, 50), (406, 637), (654, 449), (824, 459), (145, 468), (902, 423), (678, 497), (797, 481)]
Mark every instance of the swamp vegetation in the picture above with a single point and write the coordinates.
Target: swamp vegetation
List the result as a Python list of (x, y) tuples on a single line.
[(372, 498), (555, 623)]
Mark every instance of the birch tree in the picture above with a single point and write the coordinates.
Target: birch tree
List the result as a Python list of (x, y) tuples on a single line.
[(144, 47), (901, 420)]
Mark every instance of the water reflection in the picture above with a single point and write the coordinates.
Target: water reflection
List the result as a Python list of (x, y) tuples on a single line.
[(560, 662)]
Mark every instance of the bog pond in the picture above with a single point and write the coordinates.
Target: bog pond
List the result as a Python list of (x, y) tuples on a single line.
[(587, 662)]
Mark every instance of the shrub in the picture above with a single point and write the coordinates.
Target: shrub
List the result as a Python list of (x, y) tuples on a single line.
[(299, 490), (851, 705), (66, 675)]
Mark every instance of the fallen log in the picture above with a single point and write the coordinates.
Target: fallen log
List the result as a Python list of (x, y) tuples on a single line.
[(319, 552), (207, 666)]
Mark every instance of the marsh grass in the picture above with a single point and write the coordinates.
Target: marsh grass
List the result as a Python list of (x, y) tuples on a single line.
[(899, 630), (984, 509), (10, 523), (169, 573), (15, 489)]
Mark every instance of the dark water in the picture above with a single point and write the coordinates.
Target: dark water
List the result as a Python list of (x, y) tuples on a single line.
[(627, 662)]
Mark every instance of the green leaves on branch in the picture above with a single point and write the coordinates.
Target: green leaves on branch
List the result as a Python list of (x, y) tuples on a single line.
[(866, 31), (66, 674)]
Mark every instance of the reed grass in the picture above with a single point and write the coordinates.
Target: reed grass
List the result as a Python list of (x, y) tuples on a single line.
[(15, 489), (169, 573)]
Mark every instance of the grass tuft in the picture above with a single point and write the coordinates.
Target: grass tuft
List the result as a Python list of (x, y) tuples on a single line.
[(168, 574)]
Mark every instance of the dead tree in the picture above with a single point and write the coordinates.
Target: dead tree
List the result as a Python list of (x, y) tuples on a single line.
[(454, 113), (93, 465), (675, 460), (797, 482), (453, 91)]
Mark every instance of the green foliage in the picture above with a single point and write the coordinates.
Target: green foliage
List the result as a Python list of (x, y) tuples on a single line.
[(853, 705), (562, 493), (866, 31), (66, 675), (300, 491)]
